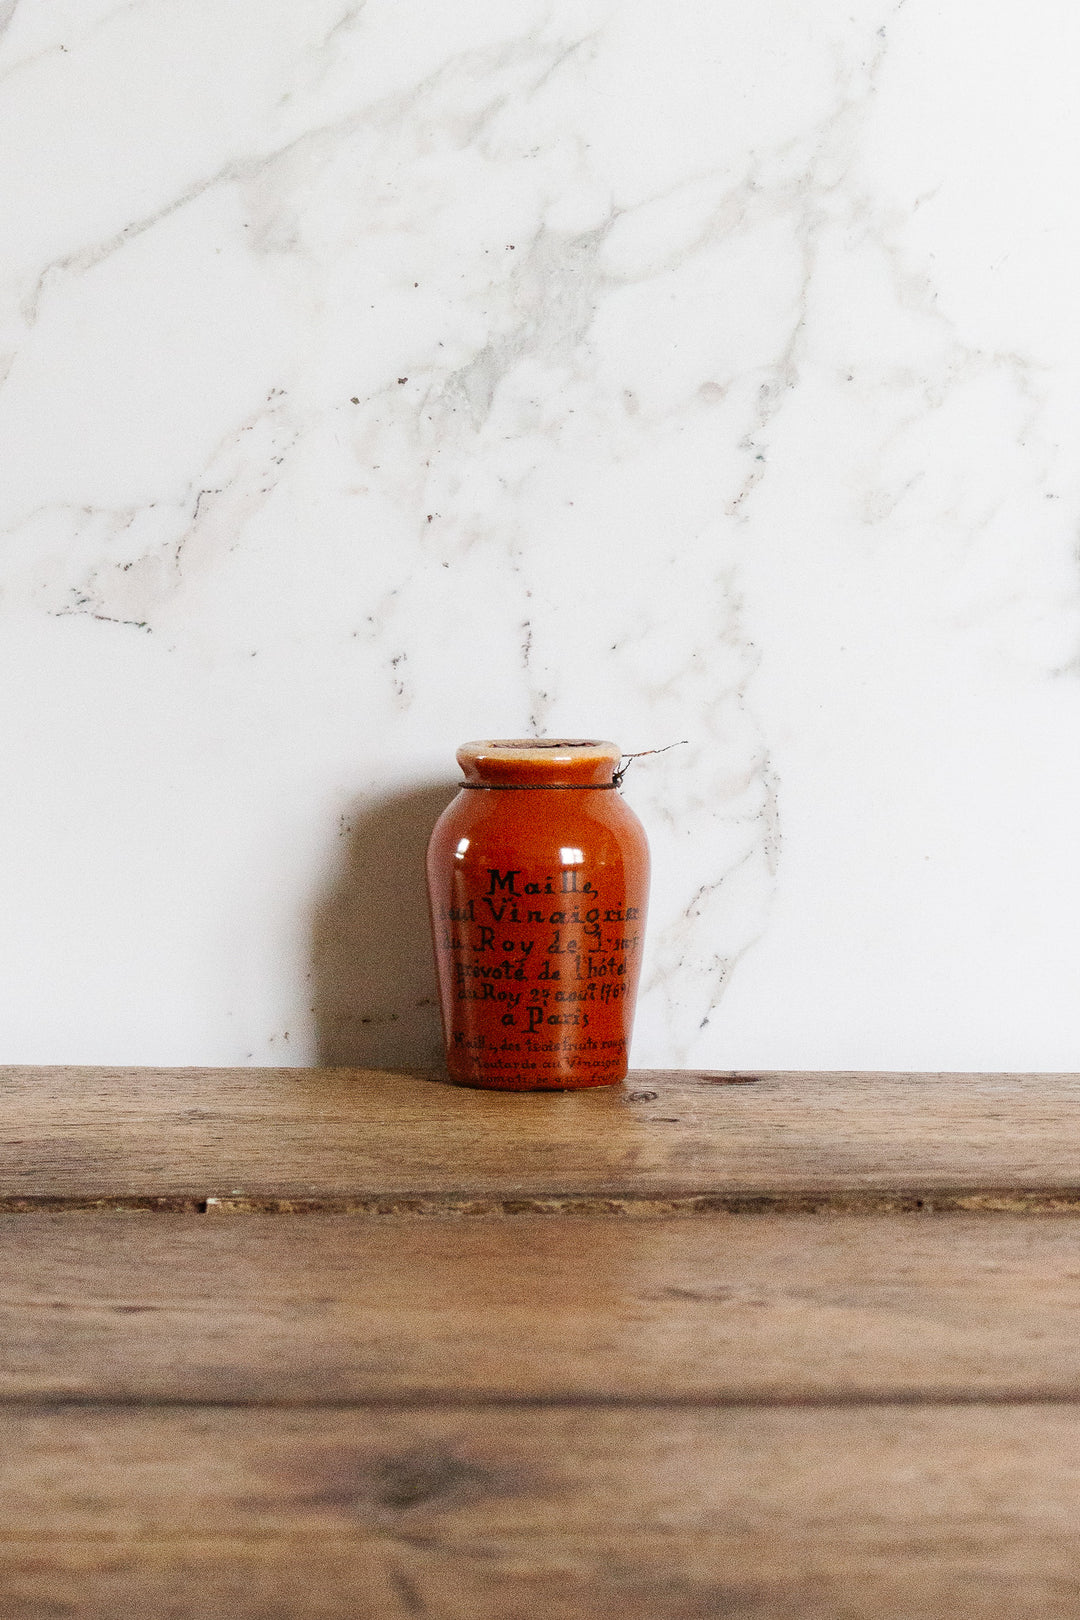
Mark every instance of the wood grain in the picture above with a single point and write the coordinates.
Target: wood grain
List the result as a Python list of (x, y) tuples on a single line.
[(674, 1139), (746, 1401), (325, 1309), (495, 1515)]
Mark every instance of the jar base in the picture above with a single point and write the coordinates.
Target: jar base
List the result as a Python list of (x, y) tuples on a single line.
[(476, 1083)]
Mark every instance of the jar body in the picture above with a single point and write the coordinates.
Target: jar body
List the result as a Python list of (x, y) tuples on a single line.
[(538, 892)]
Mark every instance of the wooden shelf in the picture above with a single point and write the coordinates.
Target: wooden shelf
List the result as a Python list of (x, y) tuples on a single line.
[(313, 1344)]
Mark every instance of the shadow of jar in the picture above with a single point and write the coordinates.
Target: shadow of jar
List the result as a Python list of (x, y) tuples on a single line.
[(374, 999)]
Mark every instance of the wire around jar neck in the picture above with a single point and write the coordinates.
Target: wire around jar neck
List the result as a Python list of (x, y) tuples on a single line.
[(523, 764)]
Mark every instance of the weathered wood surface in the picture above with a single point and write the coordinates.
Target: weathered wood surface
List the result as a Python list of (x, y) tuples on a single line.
[(689, 1414), (383, 1139), (763, 1515), (324, 1309)]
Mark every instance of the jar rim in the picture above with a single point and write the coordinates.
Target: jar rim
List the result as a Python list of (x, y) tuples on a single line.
[(540, 761)]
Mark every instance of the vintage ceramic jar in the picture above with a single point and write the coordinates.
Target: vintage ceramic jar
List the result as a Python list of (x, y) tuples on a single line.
[(538, 879)]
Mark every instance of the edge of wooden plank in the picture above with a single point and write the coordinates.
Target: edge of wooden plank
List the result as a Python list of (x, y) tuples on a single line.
[(667, 1141)]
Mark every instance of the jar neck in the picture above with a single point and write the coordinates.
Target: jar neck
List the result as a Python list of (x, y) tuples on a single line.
[(531, 764), (538, 787)]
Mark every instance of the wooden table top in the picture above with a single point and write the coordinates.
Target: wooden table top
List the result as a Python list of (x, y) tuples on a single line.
[(312, 1344)]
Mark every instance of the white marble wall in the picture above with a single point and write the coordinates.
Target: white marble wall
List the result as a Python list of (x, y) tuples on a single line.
[(379, 375)]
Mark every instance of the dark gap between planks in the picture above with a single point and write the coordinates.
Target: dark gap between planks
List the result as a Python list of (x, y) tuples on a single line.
[(939, 1201), (572, 1400)]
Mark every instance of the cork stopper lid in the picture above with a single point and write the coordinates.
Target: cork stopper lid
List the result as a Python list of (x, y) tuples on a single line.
[(539, 762)]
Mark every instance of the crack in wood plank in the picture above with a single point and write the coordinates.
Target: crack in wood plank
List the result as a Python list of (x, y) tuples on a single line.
[(811, 1201)]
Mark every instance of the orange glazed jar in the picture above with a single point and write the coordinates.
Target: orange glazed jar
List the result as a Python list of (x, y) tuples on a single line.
[(538, 879)]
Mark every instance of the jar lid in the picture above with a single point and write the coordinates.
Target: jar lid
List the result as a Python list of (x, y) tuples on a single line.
[(539, 762)]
